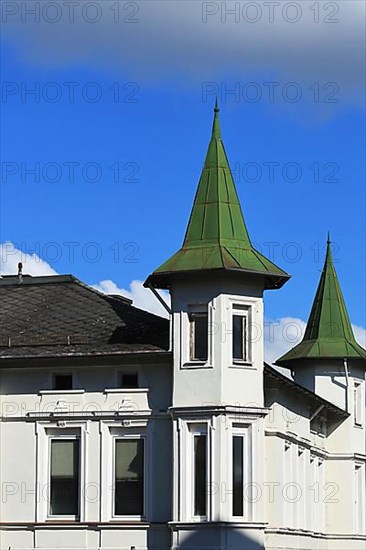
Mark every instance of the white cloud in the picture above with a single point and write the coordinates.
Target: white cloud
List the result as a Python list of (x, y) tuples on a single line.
[(280, 335), (181, 38), (32, 264), (142, 297), (360, 335)]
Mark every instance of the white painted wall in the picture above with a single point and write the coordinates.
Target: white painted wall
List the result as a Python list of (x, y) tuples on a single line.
[(225, 399), (96, 410)]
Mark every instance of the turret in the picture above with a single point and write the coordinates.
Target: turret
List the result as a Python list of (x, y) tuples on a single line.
[(216, 282), (328, 360)]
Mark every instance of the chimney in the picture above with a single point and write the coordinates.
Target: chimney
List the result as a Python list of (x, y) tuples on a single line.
[(20, 272)]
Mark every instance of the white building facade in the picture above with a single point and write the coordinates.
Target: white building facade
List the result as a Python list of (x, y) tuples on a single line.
[(121, 430)]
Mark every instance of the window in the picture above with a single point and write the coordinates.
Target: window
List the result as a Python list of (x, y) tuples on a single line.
[(313, 493), (301, 509), (129, 477), (238, 475), (64, 477), (357, 403), (359, 499), (200, 474), (321, 503), (198, 336), (62, 381), (288, 486), (240, 334), (129, 380)]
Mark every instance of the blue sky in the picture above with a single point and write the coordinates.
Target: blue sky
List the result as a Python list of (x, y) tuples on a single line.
[(156, 132)]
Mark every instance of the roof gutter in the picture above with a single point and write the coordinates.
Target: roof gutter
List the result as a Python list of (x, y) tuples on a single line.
[(84, 359)]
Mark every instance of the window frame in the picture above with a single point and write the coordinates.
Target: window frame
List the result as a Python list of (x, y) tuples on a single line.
[(242, 431), (192, 336), (63, 437), (321, 512), (129, 429), (44, 431), (242, 475), (197, 429), (195, 438), (358, 403), (300, 478), (131, 517), (359, 498), (243, 311), (288, 507), (186, 361)]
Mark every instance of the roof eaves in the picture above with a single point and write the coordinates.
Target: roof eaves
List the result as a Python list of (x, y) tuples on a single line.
[(9, 360)]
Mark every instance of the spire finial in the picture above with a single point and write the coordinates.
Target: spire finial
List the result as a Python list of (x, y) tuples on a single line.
[(216, 131), (328, 255)]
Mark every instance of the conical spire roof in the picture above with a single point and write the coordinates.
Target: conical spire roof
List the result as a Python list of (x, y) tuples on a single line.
[(216, 236), (328, 332)]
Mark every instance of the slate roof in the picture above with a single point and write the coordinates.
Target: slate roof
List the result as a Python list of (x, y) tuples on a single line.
[(54, 316), (59, 316), (216, 236)]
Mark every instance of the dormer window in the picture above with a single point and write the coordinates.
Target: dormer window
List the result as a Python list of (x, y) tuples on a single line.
[(129, 380), (240, 334), (198, 336), (62, 381)]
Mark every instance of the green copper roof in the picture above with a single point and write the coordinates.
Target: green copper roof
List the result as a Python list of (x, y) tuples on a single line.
[(216, 236), (328, 332)]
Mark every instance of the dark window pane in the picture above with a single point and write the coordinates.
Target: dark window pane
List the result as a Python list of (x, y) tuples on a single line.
[(199, 335), (63, 382), (238, 337), (238, 476), (199, 475), (64, 482), (129, 380), (129, 477)]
